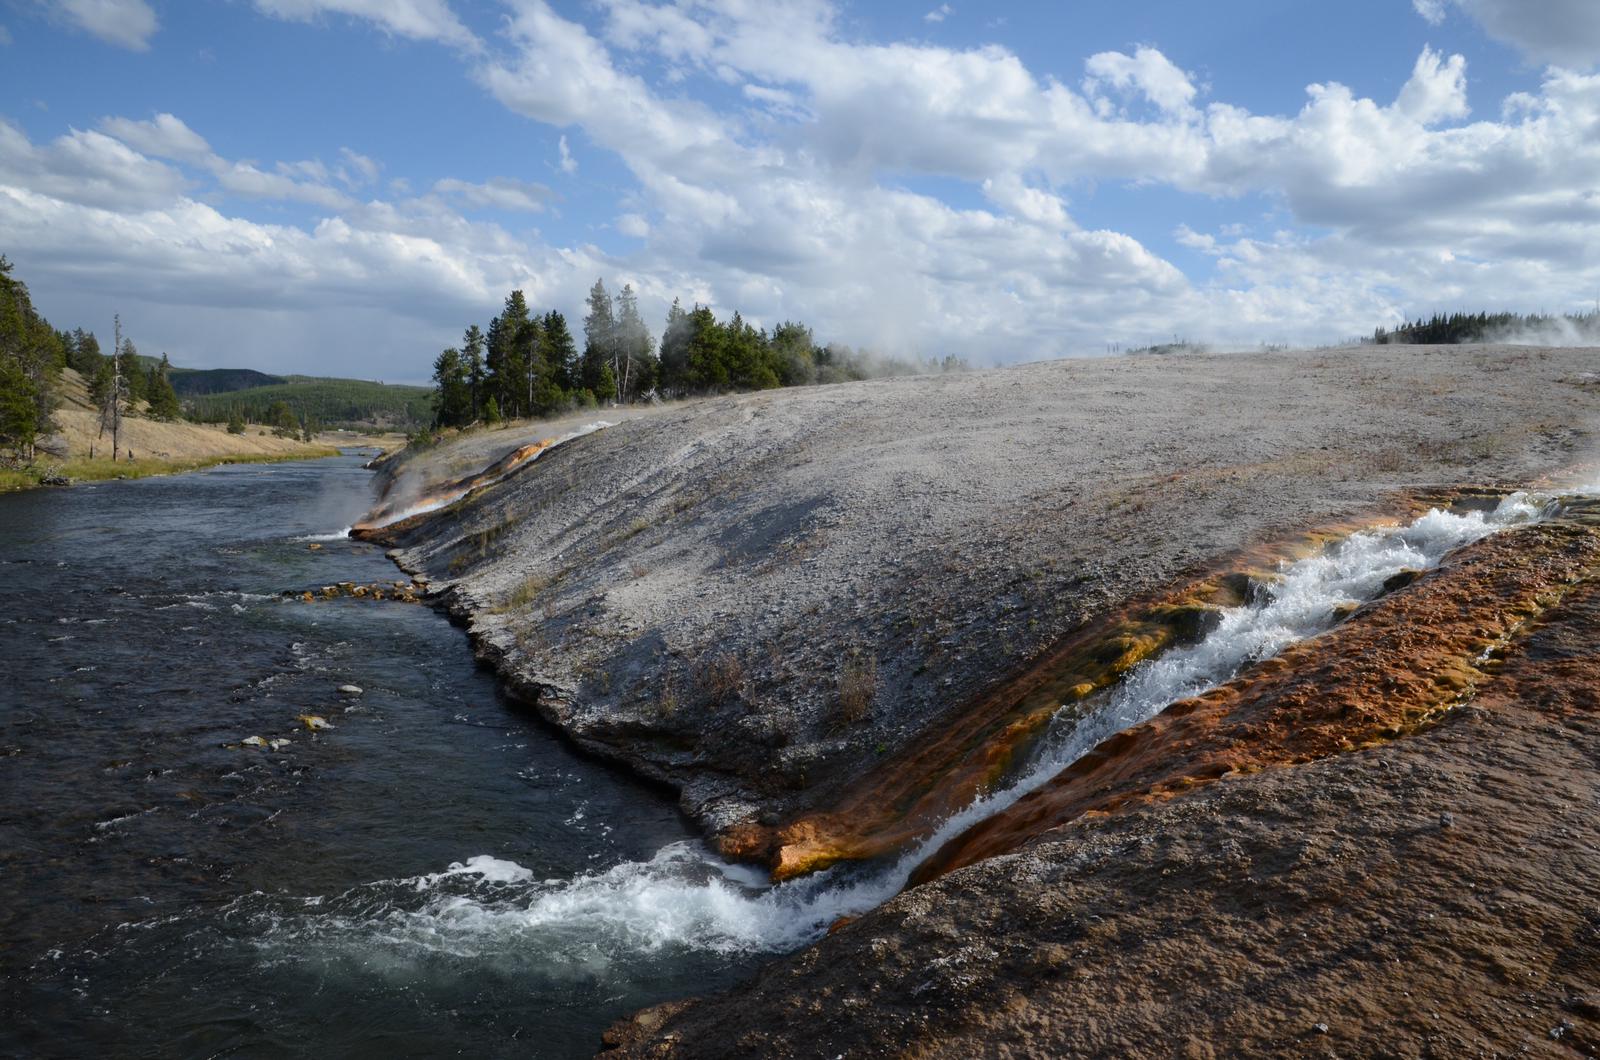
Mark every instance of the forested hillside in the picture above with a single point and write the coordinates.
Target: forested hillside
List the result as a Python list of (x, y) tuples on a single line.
[(351, 403), (191, 382)]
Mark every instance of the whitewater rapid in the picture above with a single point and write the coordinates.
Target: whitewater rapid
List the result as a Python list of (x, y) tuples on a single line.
[(687, 898)]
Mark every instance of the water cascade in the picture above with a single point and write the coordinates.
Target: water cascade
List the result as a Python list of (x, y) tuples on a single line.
[(686, 898)]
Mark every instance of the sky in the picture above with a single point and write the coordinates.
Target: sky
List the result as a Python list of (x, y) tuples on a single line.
[(338, 187)]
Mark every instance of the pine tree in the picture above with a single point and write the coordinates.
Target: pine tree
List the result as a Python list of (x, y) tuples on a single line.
[(637, 365), (795, 352), (132, 378), (87, 358), (562, 352), (706, 367), (534, 396), (31, 360), (281, 418), (599, 343), (674, 369), (507, 375), (472, 358), (453, 397), (491, 411), (163, 399)]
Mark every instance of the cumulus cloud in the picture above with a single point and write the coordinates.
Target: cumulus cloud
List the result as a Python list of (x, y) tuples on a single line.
[(568, 163), (810, 183), (413, 19), (125, 23), (86, 168), (939, 14), (1148, 72)]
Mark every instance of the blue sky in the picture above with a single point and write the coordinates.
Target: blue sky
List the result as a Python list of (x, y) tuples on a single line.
[(340, 186)]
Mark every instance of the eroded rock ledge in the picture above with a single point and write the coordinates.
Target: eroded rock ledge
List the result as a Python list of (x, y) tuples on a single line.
[(773, 602), (760, 599), (1429, 894)]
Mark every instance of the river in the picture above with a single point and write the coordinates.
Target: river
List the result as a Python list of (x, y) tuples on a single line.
[(369, 889)]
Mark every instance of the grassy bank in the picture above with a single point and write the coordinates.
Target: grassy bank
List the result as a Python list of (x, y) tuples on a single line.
[(100, 469)]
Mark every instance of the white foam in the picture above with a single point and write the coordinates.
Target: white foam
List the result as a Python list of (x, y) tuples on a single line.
[(686, 897), (332, 535)]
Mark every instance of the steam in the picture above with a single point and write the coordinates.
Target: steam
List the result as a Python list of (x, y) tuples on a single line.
[(423, 500), (1563, 331)]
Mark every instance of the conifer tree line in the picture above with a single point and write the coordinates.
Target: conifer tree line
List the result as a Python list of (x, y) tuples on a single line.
[(33, 356), (528, 364), (1489, 327)]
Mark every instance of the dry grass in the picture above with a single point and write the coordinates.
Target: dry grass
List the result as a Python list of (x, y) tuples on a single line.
[(524, 594), (858, 687), (721, 677)]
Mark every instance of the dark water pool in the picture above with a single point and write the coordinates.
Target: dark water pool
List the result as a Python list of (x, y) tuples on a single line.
[(396, 885)]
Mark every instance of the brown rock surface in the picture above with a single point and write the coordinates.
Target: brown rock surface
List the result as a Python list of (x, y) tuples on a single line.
[(1434, 895)]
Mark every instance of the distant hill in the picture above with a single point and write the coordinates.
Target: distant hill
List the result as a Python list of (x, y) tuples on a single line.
[(191, 382), (333, 402)]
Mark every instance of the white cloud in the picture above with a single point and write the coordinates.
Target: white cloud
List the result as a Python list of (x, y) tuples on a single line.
[(568, 163), (357, 170), (799, 188), (87, 168), (414, 19), (1431, 10), (1152, 74), (1436, 90), (291, 181), (500, 193), (164, 136), (939, 14), (1562, 32), (125, 23), (633, 225)]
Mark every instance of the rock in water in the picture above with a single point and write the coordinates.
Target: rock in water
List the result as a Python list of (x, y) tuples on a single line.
[(350, 690)]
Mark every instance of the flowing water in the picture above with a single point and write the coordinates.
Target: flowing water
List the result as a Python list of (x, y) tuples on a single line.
[(435, 874), (372, 889), (719, 910)]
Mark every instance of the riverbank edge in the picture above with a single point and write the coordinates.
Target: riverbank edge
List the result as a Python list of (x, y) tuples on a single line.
[(79, 472)]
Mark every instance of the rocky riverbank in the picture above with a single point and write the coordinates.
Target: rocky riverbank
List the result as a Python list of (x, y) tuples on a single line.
[(794, 606)]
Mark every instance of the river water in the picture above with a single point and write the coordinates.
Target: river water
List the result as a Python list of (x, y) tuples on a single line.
[(370, 889)]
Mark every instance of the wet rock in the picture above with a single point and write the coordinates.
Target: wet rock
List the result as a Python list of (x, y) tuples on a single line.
[(253, 741), (1400, 580), (350, 690), (314, 722)]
